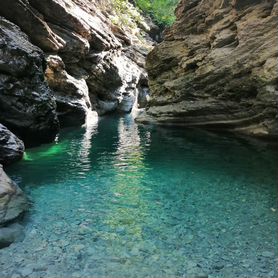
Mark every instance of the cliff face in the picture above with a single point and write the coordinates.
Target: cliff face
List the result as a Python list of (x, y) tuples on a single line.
[(26, 104), (74, 59), (218, 67)]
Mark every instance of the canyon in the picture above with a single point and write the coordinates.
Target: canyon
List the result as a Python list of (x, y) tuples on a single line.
[(215, 69)]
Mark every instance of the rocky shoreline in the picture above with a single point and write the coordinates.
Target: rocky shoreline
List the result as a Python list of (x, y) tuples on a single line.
[(13, 202), (59, 59)]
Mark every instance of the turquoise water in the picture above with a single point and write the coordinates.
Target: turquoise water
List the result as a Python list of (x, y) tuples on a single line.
[(120, 200)]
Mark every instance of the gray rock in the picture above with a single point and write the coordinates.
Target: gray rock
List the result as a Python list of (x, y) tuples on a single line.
[(12, 200), (10, 234), (94, 50), (11, 148), (26, 271), (71, 94), (143, 97), (26, 105)]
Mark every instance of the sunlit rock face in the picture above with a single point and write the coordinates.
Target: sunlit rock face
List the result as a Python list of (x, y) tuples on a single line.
[(11, 148), (113, 82), (218, 67), (71, 94), (26, 105), (92, 54)]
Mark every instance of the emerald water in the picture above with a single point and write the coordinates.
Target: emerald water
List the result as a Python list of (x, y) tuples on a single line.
[(117, 199)]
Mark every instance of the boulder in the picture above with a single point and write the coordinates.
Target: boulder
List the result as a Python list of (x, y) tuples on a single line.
[(12, 200), (217, 68), (10, 234), (71, 94), (11, 148)]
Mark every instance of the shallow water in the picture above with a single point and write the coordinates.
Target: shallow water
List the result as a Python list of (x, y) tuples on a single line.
[(120, 200)]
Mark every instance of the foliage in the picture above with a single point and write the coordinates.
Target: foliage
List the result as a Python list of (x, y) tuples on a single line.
[(125, 14), (161, 11)]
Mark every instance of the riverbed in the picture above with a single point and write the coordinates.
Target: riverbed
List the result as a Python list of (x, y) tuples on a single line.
[(118, 199)]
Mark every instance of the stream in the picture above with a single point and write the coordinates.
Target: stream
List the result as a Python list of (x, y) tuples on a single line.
[(118, 199)]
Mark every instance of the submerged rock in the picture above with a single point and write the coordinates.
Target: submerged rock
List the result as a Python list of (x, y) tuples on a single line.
[(10, 234), (217, 67), (26, 105), (12, 200), (11, 148)]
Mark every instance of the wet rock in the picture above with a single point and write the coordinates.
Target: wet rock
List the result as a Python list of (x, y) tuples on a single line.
[(79, 247), (26, 271), (268, 254), (26, 105), (218, 266), (11, 148), (12, 200), (10, 234), (143, 91), (217, 68), (143, 97)]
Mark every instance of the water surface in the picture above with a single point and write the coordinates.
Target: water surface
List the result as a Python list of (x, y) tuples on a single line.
[(120, 200)]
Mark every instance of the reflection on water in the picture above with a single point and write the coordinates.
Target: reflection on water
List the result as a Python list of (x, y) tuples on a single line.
[(86, 142), (127, 204), (114, 199)]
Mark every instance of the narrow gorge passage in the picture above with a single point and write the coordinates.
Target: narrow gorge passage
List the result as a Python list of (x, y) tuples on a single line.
[(138, 138)]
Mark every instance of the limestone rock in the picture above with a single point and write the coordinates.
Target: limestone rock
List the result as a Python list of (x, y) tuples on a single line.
[(26, 105), (217, 67), (11, 148), (91, 47), (12, 200), (71, 94), (31, 22), (113, 80)]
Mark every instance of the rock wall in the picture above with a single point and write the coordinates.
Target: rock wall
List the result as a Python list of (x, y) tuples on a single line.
[(92, 63), (26, 105), (218, 67), (89, 62)]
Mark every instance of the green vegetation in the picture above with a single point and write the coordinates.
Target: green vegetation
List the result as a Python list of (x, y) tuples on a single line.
[(126, 14), (161, 11)]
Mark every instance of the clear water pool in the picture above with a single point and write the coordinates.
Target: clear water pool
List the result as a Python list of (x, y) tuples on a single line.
[(120, 200)]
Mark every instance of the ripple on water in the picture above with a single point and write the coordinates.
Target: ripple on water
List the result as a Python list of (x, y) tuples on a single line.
[(121, 200)]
